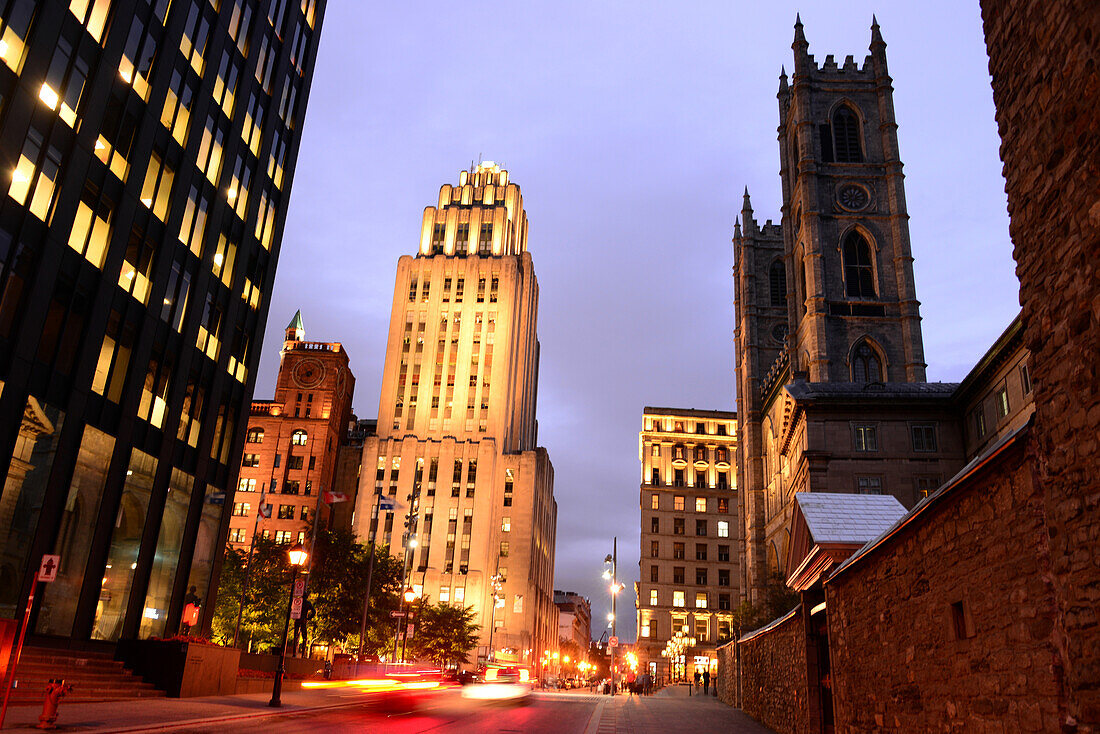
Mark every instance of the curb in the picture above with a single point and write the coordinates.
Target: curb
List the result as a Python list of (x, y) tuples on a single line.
[(206, 721)]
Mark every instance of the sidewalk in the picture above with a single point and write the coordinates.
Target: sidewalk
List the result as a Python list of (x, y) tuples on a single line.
[(167, 713), (671, 709)]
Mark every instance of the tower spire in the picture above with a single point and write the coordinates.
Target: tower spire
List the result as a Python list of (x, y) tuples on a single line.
[(800, 46), (296, 330), (782, 78)]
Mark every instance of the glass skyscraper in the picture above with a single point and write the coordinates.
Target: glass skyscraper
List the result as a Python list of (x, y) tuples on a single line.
[(147, 150)]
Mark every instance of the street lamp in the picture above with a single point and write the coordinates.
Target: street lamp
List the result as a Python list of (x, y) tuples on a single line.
[(298, 557), (495, 583), (615, 588), (410, 597)]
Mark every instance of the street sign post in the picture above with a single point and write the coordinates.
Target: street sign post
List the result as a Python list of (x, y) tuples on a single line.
[(296, 608), (47, 572)]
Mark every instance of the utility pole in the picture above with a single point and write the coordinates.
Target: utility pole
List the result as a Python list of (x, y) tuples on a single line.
[(370, 577)]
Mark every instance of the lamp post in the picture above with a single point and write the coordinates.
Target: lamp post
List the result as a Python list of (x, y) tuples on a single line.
[(298, 557), (616, 587), (496, 585), (410, 596)]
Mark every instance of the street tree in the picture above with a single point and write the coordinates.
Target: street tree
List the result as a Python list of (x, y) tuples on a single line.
[(444, 634)]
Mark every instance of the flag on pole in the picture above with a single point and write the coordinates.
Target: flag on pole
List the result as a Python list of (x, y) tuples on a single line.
[(331, 498), (386, 503), (264, 511)]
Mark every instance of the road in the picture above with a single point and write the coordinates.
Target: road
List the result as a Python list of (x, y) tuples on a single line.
[(545, 713)]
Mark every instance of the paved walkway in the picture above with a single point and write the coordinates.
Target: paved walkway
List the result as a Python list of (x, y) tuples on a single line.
[(151, 714), (672, 709)]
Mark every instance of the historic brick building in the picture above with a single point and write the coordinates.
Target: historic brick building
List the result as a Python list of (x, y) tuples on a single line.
[(292, 442), (457, 436), (977, 610), (688, 563)]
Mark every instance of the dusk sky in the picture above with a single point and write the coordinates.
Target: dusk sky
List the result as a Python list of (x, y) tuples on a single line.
[(632, 129)]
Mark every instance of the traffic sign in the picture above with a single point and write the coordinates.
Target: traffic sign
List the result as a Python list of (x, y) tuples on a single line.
[(397, 614), (411, 614), (296, 608), (299, 587), (47, 572), (409, 633), (613, 642)]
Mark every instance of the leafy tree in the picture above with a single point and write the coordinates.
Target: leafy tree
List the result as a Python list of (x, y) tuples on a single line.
[(338, 587), (444, 634), (265, 601)]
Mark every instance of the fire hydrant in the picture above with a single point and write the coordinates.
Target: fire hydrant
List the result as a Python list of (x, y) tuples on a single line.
[(55, 690)]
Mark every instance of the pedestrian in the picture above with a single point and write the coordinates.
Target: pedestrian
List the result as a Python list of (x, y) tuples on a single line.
[(706, 682)]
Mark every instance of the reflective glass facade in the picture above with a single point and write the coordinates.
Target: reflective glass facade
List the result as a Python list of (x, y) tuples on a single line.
[(147, 151)]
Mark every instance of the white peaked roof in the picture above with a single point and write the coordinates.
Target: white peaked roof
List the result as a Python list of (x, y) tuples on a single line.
[(848, 518)]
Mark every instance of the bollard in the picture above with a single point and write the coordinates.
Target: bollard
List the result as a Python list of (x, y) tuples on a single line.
[(55, 690)]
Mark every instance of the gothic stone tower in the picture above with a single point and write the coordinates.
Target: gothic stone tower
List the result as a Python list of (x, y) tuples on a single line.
[(760, 335), (828, 297), (853, 307), (456, 444)]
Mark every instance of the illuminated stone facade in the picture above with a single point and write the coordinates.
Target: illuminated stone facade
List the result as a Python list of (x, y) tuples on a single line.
[(456, 444), (690, 534), (291, 445)]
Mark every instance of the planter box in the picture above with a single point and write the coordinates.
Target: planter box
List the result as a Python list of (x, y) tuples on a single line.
[(304, 667), (263, 685), (182, 669)]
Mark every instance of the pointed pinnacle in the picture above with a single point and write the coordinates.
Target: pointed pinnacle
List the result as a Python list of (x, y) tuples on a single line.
[(747, 205), (876, 36), (783, 71), (799, 36)]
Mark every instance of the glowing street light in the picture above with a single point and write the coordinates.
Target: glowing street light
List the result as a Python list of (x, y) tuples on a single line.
[(297, 555)]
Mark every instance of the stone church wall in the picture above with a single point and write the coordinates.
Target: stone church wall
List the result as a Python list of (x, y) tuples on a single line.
[(1044, 58), (946, 626)]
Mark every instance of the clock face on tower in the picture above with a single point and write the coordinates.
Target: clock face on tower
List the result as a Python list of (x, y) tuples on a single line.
[(308, 373), (852, 197)]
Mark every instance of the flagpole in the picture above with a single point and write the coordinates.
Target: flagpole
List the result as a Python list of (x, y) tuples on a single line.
[(248, 564), (370, 575)]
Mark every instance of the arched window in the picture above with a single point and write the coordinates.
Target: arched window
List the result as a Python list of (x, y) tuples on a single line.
[(299, 438), (255, 435), (777, 279), (846, 136), (866, 365), (859, 269)]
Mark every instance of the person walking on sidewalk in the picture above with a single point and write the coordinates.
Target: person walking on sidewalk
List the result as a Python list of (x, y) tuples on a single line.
[(706, 682)]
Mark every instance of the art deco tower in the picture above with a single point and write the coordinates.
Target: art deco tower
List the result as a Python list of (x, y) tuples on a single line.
[(456, 443)]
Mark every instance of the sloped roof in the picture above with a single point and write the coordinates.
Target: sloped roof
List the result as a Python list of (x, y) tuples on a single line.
[(802, 390), (848, 518), (933, 500), (296, 322)]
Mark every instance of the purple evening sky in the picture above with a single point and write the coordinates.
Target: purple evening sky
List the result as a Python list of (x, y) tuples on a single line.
[(631, 129)]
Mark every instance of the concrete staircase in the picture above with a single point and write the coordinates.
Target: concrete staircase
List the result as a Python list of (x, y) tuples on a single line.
[(95, 676)]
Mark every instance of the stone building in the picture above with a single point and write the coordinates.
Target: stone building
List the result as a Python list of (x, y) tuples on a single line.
[(688, 567), (976, 610), (574, 618), (291, 444), (831, 389), (457, 436), (140, 228)]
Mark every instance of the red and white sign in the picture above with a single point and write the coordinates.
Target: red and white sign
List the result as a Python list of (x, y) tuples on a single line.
[(299, 587), (47, 572), (296, 608), (613, 642), (331, 498)]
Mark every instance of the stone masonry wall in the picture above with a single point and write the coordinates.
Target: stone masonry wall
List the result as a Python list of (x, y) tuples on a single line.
[(1044, 58), (727, 673), (773, 677), (898, 661)]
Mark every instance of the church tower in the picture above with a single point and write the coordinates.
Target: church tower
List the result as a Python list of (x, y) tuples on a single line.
[(853, 309)]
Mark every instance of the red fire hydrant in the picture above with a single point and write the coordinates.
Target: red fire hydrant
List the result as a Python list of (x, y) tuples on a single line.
[(54, 692)]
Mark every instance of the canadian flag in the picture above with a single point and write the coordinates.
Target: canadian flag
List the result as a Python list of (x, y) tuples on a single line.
[(264, 511), (331, 498)]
